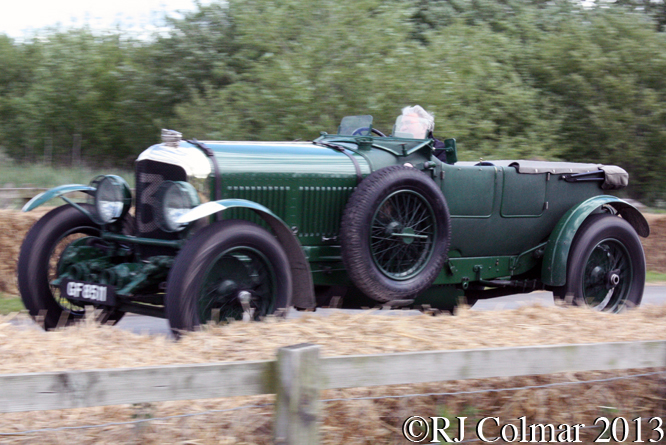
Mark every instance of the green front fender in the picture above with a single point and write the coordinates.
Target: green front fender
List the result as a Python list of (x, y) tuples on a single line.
[(303, 296), (54, 193), (554, 268)]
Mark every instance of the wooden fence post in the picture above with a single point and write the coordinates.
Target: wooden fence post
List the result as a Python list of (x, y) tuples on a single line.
[(297, 402)]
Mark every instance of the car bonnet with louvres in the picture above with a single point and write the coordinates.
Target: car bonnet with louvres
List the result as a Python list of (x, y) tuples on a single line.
[(305, 185)]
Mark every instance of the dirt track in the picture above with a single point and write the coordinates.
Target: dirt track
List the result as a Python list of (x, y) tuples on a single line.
[(14, 225)]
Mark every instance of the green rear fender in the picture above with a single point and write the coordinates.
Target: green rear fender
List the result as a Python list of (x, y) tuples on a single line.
[(303, 296), (554, 268), (54, 193)]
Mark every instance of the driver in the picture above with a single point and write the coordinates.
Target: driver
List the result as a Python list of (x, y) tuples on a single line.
[(414, 122)]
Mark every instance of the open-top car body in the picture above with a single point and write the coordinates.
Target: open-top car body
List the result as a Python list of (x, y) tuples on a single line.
[(230, 230)]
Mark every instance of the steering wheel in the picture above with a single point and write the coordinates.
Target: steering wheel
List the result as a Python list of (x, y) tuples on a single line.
[(361, 130)]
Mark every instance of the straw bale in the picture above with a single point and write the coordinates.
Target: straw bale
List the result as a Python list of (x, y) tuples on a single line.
[(13, 227), (89, 346), (654, 245)]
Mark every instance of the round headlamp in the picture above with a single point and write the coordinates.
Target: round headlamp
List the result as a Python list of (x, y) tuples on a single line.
[(113, 198), (176, 198)]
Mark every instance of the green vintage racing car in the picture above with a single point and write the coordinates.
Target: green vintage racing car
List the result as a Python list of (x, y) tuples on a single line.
[(232, 230)]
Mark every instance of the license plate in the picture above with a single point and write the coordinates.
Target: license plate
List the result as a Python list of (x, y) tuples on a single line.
[(88, 292)]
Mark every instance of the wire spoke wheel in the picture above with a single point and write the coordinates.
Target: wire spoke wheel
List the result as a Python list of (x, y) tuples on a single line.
[(44, 257), (402, 234), (608, 276), (56, 267), (606, 266), (236, 271), (229, 270), (395, 233)]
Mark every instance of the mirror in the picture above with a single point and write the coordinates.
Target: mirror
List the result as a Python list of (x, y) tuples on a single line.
[(450, 150)]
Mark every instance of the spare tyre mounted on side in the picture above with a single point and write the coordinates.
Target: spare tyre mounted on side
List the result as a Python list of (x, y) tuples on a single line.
[(395, 233)]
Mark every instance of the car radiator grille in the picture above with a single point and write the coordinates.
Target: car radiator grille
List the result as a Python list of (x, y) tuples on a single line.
[(149, 176)]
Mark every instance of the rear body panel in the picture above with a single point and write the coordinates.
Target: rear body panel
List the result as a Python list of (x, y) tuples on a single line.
[(498, 211)]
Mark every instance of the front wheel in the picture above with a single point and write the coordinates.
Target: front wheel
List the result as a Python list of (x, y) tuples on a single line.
[(229, 270), (38, 264), (606, 269)]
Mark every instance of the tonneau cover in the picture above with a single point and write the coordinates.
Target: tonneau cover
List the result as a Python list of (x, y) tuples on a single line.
[(614, 177)]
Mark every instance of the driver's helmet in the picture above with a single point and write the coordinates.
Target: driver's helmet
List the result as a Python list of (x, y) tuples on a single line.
[(414, 122)]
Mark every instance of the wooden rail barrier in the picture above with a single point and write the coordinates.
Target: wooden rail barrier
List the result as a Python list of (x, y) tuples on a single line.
[(299, 374)]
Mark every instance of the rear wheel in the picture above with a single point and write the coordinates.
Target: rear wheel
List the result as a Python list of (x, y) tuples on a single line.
[(38, 265), (229, 270), (606, 268)]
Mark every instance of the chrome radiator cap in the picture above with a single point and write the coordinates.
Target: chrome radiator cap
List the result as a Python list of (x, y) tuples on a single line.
[(171, 138)]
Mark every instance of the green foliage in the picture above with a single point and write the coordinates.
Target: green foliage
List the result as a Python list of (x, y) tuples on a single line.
[(654, 9), (314, 65), (10, 304), (655, 277), (79, 87), (13, 174), (199, 51), (608, 78), (539, 79)]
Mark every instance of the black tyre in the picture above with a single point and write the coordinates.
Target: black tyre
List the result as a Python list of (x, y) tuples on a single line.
[(226, 268), (38, 266), (395, 233), (606, 268)]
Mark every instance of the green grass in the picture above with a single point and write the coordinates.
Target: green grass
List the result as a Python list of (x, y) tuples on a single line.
[(39, 175), (652, 277), (9, 304)]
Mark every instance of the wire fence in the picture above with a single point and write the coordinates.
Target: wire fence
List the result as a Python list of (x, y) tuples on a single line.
[(347, 399), (457, 393)]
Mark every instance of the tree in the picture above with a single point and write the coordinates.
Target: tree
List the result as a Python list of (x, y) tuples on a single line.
[(607, 75), (653, 9), (80, 88), (508, 79)]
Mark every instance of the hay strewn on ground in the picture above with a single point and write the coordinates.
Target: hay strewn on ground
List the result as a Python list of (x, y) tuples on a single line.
[(89, 347), (355, 422)]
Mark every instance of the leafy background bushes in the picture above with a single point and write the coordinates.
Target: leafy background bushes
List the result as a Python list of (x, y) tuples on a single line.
[(557, 80)]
